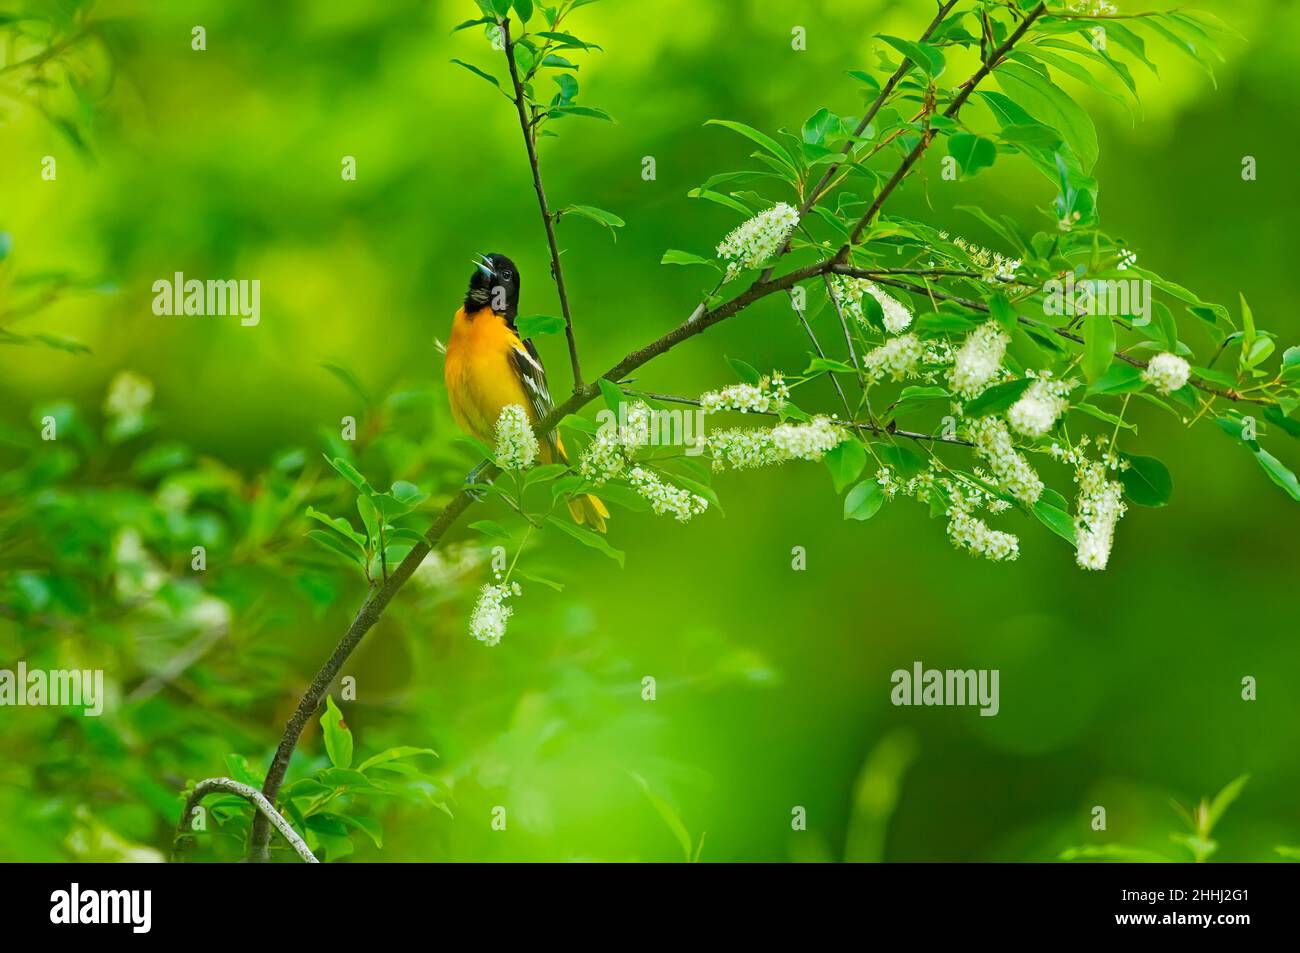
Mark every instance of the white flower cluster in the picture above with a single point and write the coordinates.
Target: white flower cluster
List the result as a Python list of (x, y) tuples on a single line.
[(1127, 259), (516, 443), (665, 497), (995, 267), (768, 394), (1167, 372), (1011, 471), (488, 621), (1038, 408), (612, 455), (752, 244), (978, 360), (746, 449), (129, 396), (972, 534), (807, 441), (898, 357), (608, 454), (848, 292), (1098, 508)]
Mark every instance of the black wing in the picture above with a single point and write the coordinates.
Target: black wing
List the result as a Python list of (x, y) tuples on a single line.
[(528, 365)]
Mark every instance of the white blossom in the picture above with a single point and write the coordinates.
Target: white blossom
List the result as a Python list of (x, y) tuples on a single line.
[(1167, 372), (1099, 506), (769, 394), (848, 291), (665, 497), (898, 358), (978, 360), (745, 449), (129, 396), (807, 441), (752, 244), (974, 535), (1011, 471), (516, 443), (488, 621), (1038, 408)]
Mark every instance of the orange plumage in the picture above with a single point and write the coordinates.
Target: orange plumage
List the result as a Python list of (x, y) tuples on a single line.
[(488, 367)]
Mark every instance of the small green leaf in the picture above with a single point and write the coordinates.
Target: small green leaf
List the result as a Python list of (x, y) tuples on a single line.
[(490, 528), (972, 152), (1099, 348), (478, 72), (846, 463), (997, 398), (1147, 481), (675, 257), (864, 501), (338, 737), (1277, 472), (587, 538), (536, 324)]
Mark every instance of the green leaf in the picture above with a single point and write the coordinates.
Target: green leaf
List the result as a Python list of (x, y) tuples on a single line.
[(1119, 379), (864, 501), (336, 545), (395, 754), (747, 373), (928, 58), (339, 525), (536, 324), (972, 152), (1056, 519), (1277, 472), (1223, 800), (478, 72), (821, 124), (820, 365), (675, 257), (613, 395), (774, 148), (587, 538), (541, 580), (338, 737), (490, 528), (350, 473), (998, 398), (598, 215), (368, 825), (1099, 348), (846, 463), (1051, 105), (1147, 481)]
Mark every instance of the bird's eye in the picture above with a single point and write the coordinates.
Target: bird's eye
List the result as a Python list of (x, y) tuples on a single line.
[(508, 275)]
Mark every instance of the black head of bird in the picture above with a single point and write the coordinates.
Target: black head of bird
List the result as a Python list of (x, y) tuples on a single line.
[(494, 284)]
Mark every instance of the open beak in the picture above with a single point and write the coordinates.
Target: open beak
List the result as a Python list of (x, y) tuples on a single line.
[(483, 265)]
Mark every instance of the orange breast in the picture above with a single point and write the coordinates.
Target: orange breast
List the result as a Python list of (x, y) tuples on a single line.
[(479, 376)]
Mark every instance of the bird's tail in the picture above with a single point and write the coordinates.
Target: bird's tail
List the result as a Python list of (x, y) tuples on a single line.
[(587, 510)]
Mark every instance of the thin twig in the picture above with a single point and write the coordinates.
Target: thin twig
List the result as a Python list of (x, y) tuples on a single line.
[(548, 217)]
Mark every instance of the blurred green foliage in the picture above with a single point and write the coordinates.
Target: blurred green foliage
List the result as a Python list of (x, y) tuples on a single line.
[(1120, 688)]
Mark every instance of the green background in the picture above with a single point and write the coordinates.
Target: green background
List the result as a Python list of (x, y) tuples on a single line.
[(1119, 689)]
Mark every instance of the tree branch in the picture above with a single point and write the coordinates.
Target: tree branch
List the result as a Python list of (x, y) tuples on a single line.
[(876, 276), (251, 794), (548, 217), (928, 136)]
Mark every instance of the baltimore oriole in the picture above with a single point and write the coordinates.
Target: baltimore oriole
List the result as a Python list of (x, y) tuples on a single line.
[(489, 367)]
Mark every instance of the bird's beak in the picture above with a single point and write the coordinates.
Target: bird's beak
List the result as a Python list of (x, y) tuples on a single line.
[(481, 262)]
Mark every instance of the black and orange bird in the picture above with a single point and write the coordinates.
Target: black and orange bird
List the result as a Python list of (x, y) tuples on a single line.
[(489, 367)]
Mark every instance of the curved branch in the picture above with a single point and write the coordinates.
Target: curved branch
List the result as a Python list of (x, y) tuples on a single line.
[(250, 794)]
